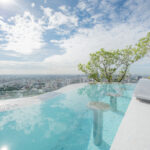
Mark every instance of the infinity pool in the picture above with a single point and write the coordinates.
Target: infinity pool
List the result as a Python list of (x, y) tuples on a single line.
[(85, 118)]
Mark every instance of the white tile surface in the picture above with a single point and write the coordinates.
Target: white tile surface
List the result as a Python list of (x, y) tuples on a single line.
[(134, 131)]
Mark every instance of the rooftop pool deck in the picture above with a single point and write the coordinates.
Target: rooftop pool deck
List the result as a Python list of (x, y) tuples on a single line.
[(79, 116), (134, 131)]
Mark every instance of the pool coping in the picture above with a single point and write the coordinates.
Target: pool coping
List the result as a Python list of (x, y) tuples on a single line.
[(11, 104), (134, 132)]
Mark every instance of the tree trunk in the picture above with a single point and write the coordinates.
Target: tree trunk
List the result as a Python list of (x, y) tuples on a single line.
[(123, 76)]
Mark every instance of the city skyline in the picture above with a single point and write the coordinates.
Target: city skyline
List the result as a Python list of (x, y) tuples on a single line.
[(52, 37)]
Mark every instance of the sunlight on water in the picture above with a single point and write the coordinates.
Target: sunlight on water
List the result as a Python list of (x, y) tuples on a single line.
[(4, 148)]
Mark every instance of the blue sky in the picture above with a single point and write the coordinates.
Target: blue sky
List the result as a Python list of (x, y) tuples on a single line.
[(52, 37)]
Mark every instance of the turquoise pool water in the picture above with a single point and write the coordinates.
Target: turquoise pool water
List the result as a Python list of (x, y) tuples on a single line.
[(66, 122)]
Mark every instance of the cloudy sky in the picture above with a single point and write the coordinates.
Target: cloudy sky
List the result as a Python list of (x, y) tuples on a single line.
[(53, 36)]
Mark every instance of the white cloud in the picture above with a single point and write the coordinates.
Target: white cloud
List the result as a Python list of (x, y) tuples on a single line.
[(33, 5), (87, 41), (60, 31), (1, 18), (108, 8), (77, 49), (136, 11), (23, 34), (56, 18), (63, 8), (30, 67), (7, 3), (82, 5), (111, 30), (87, 5)]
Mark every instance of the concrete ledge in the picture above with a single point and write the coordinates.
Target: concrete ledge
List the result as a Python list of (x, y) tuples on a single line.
[(134, 131)]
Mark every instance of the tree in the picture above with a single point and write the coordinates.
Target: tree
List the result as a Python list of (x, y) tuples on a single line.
[(144, 44), (113, 66)]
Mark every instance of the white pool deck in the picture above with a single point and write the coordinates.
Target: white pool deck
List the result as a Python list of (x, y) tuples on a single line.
[(134, 131)]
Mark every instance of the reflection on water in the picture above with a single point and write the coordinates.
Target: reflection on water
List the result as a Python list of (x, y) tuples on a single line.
[(113, 103), (98, 109), (97, 92), (103, 98), (101, 92), (56, 124), (4, 147), (98, 127), (23, 119)]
